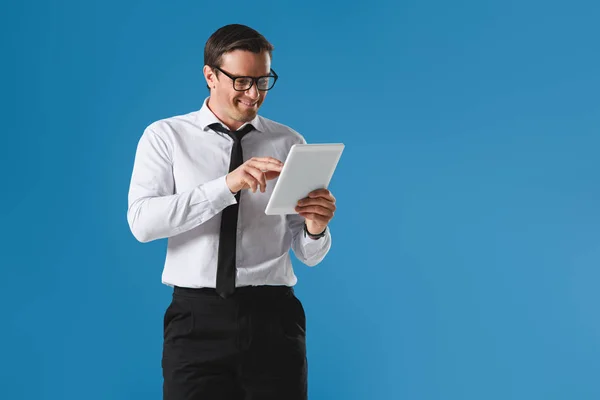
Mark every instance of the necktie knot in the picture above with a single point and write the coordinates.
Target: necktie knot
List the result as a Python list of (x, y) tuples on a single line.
[(235, 135)]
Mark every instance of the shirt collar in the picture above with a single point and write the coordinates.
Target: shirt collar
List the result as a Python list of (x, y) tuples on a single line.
[(206, 117)]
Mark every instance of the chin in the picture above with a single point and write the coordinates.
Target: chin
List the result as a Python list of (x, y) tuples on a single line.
[(250, 115), (245, 115)]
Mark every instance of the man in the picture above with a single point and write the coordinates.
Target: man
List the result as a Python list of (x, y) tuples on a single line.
[(234, 328)]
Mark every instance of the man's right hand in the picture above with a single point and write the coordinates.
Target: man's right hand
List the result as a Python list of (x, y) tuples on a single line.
[(254, 174)]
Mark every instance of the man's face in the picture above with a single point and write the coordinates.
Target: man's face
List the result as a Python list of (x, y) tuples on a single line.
[(231, 106)]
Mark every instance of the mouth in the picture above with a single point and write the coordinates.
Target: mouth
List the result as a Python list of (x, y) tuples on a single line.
[(248, 104)]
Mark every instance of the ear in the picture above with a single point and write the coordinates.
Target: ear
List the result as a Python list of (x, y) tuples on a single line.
[(210, 76)]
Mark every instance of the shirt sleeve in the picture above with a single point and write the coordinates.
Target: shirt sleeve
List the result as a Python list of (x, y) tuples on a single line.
[(309, 251), (154, 210)]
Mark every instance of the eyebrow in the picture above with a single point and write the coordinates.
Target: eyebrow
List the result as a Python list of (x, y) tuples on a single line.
[(253, 76), (244, 75)]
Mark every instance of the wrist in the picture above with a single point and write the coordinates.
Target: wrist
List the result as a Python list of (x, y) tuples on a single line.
[(232, 189), (314, 236)]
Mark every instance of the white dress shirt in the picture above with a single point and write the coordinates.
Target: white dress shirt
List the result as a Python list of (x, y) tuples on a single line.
[(178, 191)]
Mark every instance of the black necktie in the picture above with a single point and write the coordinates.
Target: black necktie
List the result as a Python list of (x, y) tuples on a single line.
[(226, 267)]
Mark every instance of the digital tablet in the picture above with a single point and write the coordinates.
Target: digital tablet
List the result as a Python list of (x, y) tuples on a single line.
[(307, 167)]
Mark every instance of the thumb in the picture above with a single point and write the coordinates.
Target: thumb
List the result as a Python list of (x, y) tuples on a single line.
[(269, 175)]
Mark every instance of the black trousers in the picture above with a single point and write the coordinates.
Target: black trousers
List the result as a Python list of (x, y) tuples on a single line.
[(251, 346)]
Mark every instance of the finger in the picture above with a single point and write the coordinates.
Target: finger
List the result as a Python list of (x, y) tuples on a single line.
[(267, 160), (271, 160), (265, 166), (259, 176), (324, 193), (251, 181), (318, 202), (317, 210), (271, 175)]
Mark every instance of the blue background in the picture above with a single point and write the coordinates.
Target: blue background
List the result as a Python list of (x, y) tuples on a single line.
[(466, 244)]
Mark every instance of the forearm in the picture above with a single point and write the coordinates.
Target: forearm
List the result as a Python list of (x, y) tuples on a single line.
[(152, 217)]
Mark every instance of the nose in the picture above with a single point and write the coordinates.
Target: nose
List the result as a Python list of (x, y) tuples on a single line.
[(253, 92)]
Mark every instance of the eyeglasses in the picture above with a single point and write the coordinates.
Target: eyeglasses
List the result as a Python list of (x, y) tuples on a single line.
[(243, 83)]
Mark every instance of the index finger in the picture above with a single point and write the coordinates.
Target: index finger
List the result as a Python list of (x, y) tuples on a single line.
[(268, 160), (265, 165)]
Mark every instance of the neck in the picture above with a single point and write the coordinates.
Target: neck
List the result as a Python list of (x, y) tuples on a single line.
[(232, 125)]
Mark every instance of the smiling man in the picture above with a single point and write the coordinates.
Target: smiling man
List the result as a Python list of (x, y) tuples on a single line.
[(234, 328)]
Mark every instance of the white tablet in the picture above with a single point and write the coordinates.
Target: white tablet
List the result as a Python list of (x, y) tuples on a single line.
[(307, 167)]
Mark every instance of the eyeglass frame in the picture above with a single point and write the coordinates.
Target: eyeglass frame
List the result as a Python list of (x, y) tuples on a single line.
[(254, 80)]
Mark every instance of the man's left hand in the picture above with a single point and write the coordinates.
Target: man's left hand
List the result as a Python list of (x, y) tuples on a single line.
[(317, 209)]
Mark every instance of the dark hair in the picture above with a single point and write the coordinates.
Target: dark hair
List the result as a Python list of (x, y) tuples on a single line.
[(233, 37)]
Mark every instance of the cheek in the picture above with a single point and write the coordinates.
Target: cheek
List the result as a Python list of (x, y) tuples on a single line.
[(232, 98), (234, 101)]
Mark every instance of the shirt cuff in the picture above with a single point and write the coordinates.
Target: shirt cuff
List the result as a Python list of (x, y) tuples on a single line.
[(217, 193), (306, 240)]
